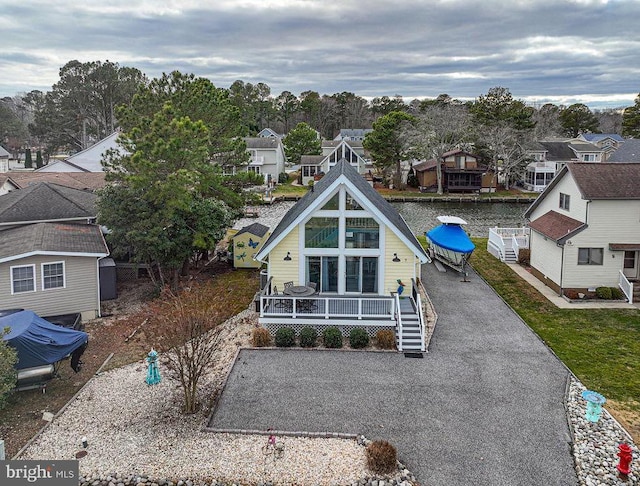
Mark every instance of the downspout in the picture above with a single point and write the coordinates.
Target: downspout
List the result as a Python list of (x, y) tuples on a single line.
[(561, 268)]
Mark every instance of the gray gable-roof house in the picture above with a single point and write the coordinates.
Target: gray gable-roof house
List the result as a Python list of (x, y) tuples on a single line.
[(343, 168), (46, 202), (52, 268), (349, 254), (629, 151)]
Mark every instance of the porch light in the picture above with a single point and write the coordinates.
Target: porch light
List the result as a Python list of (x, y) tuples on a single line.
[(395, 258), (288, 257)]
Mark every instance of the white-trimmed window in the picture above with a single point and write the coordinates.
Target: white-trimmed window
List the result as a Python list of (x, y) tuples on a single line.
[(564, 201), (23, 279), (52, 275), (590, 256)]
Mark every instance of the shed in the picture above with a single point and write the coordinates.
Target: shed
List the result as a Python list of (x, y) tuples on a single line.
[(108, 281), (246, 243)]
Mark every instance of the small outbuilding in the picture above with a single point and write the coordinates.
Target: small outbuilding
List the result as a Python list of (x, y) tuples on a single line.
[(246, 243)]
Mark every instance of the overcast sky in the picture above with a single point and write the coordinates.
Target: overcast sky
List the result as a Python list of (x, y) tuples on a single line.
[(560, 51)]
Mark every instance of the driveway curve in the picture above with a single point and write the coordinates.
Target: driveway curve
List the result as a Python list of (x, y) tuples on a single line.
[(483, 407)]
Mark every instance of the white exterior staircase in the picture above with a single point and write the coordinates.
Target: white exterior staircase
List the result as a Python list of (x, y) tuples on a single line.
[(409, 337)]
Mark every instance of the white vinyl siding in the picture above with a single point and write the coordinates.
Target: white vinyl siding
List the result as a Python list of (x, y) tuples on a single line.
[(609, 222), (546, 257), (567, 186)]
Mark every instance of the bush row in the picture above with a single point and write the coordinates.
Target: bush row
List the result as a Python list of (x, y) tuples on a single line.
[(285, 337)]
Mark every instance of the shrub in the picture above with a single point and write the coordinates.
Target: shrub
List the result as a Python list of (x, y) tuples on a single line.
[(386, 339), (603, 293), (381, 457), (285, 337), (8, 359), (358, 338), (617, 293), (308, 337), (283, 178), (524, 256), (261, 337), (332, 337)]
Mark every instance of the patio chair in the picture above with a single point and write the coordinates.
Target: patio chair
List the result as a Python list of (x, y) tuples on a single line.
[(313, 285), (285, 304), (288, 285)]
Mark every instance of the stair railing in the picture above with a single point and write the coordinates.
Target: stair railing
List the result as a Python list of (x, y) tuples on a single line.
[(415, 292), (399, 321)]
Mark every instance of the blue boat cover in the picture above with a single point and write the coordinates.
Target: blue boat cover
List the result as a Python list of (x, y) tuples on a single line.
[(39, 342), (451, 237)]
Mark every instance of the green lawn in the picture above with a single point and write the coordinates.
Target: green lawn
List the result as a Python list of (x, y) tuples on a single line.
[(601, 346)]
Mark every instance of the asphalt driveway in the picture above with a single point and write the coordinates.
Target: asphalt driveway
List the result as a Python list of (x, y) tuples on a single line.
[(483, 407)]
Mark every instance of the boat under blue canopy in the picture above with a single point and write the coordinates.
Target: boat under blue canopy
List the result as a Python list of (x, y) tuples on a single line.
[(39, 342), (451, 237)]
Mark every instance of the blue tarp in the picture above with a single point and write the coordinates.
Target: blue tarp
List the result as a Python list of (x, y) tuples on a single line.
[(451, 237), (39, 342)]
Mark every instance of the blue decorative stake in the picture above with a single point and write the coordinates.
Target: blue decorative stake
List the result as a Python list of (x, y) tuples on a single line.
[(153, 372), (595, 401)]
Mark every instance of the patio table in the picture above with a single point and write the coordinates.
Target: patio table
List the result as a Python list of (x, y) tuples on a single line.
[(299, 291)]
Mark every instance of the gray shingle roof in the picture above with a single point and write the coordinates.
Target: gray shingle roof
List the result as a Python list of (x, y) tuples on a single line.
[(254, 229), (262, 142), (45, 201), (607, 181), (629, 151), (76, 180), (52, 237), (344, 168), (311, 159), (558, 151), (597, 180)]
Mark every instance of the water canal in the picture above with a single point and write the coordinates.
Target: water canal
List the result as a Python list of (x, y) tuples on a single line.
[(421, 216)]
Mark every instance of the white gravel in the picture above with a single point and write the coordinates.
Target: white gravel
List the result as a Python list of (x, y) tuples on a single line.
[(136, 429)]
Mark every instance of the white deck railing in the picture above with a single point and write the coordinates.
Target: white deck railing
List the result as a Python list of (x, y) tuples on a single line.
[(326, 307), (415, 292), (626, 286), (502, 238)]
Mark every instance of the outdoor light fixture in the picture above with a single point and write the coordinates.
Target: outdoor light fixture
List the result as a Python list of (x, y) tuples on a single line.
[(395, 258), (288, 257)]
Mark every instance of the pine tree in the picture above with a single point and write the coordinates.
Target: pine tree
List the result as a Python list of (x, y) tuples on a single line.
[(28, 163)]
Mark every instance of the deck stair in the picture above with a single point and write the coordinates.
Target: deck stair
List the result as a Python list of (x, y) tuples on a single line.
[(510, 255), (411, 340)]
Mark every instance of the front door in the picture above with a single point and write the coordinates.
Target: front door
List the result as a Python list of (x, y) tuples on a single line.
[(630, 265)]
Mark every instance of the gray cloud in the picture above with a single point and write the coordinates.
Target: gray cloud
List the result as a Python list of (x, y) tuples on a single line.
[(581, 50)]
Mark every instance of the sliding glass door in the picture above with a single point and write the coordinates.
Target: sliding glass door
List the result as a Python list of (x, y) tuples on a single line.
[(361, 274), (324, 272)]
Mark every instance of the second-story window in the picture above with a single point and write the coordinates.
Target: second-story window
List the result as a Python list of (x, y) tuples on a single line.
[(564, 201)]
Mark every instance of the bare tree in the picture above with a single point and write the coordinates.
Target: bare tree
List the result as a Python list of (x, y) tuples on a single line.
[(188, 332), (439, 129)]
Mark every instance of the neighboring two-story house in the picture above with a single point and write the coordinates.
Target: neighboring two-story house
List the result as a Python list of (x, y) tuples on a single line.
[(608, 142), (549, 156), (333, 151), (585, 228), (267, 157), (461, 172)]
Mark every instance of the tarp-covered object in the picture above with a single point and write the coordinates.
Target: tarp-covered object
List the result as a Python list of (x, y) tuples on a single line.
[(39, 342), (452, 237)]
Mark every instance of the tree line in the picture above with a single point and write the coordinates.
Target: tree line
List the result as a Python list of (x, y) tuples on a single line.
[(80, 109)]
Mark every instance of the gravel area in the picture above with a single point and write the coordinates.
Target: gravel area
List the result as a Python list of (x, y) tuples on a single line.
[(595, 446), (137, 430)]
